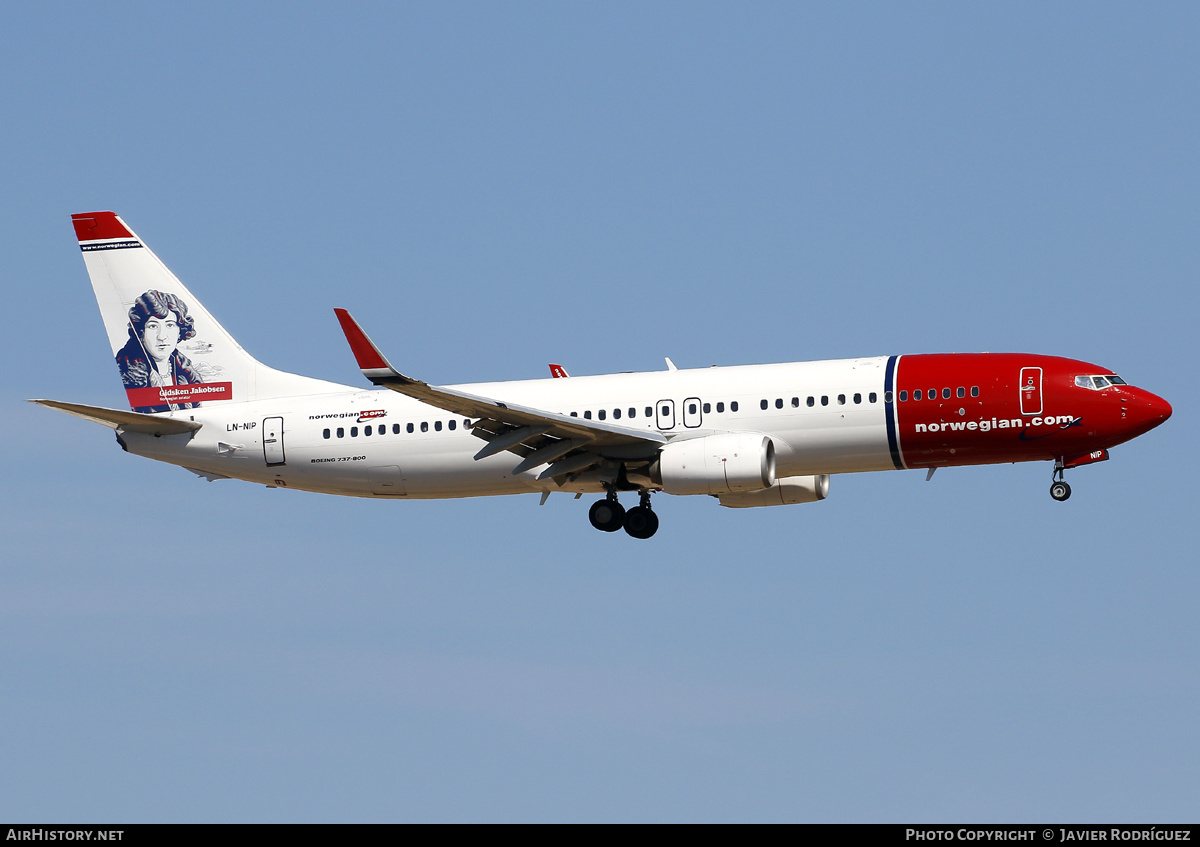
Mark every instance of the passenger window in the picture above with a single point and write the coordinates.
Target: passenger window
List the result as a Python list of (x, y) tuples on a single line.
[(873, 397), (341, 432), (903, 397), (762, 404), (691, 408), (666, 411), (452, 424), (354, 432), (602, 414), (945, 393), (424, 426), (325, 434), (811, 401), (632, 412), (824, 399), (916, 394), (887, 396), (841, 399), (733, 407), (974, 390), (367, 431), (649, 411), (707, 408), (932, 394), (720, 407), (574, 414), (962, 392), (409, 427), (857, 398), (437, 425), (795, 402), (616, 414), (588, 414)]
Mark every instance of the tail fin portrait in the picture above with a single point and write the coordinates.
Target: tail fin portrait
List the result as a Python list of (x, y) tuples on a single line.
[(172, 354)]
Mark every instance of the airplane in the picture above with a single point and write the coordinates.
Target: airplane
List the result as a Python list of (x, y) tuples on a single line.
[(750, 436)]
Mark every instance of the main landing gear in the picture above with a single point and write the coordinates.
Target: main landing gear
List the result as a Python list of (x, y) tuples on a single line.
[(1059, 489), (608, 515)]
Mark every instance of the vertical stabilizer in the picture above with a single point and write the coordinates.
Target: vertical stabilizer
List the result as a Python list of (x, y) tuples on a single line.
[(172, 354)]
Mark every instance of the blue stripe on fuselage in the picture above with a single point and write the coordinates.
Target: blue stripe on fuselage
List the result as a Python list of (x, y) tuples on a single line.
[(889, 410)]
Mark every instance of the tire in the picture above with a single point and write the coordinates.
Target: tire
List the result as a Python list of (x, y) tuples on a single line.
[(607, 515), (641, 522), (1060, 491)]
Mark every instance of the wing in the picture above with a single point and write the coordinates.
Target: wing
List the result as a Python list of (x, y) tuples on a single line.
[(568, 444)]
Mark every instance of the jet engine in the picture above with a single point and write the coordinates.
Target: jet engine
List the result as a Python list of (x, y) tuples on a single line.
[(718, 464), (785, 492)]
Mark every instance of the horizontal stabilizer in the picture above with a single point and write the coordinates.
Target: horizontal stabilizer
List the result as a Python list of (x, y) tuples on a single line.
[(126, 421)]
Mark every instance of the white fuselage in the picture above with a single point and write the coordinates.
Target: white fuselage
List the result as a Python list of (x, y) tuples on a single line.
[(320, 443)]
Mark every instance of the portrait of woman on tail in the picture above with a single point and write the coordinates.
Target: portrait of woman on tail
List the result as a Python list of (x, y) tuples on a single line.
[(158, 323)]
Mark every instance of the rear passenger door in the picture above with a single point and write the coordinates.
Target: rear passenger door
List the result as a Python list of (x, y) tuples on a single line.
[(273, 441)]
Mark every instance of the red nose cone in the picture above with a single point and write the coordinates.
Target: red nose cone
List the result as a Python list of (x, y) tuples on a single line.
[(1160, 407), (1148, 410)]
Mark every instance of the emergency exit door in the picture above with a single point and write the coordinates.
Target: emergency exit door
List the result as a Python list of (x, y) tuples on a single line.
[(664, 414)]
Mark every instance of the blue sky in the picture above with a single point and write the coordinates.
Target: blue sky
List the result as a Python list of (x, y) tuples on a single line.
[(494, 187)]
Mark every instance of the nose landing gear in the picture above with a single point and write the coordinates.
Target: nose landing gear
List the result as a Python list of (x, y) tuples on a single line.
[(1059, 489), (608, 515)]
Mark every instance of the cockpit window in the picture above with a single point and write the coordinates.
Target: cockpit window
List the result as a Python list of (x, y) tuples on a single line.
[(1100, 381)]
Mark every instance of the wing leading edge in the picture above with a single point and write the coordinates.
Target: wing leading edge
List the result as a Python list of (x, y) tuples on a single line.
[(569, 445)]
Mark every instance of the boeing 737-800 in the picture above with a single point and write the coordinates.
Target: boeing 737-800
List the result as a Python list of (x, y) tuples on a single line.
[(754, 435)]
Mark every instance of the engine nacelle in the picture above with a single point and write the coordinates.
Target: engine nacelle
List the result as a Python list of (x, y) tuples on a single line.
[(785, 492), (718, 464)]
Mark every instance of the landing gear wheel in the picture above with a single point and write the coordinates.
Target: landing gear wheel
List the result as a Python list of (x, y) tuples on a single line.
[(607, 515), (641, 522), (1060, 490)]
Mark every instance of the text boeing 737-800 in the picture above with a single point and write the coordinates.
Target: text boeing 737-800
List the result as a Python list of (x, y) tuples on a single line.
[(755, 435)]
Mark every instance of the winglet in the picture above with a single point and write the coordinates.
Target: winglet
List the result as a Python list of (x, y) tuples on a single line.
[(558, 372), (372, 363)]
